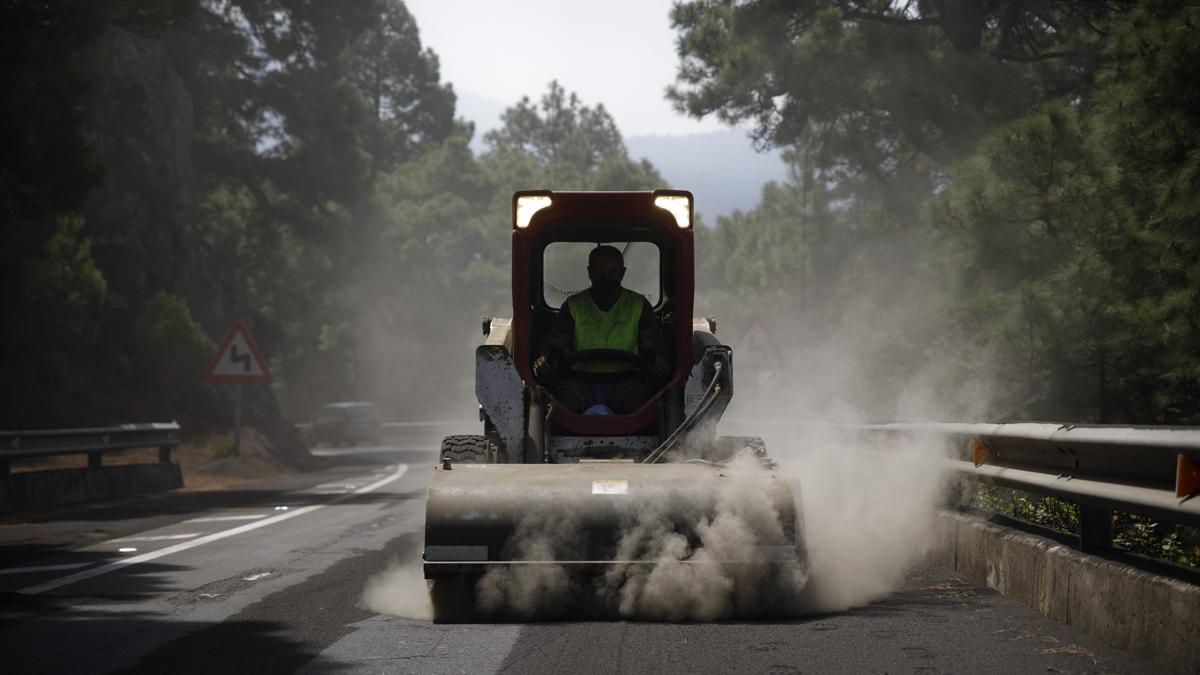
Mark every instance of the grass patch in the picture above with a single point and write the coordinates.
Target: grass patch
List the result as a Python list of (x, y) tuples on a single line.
[(218, 448)]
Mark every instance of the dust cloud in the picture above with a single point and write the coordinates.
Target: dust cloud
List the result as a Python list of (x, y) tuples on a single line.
[(724, 569), (869, 510), (539, 589), (746, 526), (865, 511), (728, 567), (401, 591)]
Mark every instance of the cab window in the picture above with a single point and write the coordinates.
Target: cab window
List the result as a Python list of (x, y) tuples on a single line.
[(564, 270)]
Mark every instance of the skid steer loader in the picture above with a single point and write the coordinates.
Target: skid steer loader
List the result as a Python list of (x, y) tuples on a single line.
[(539, 462)]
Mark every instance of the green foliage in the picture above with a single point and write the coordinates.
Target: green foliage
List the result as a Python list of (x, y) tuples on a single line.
[(1081, 237), (1146, 130), (562, 144), (1143, 536), (1035, 164), (970, 182), (64, 285), (880, 92), (218, 448), (1049, 512), (170, 348), (876, 80), (1020, 216), (306, 114), (1131, 532)]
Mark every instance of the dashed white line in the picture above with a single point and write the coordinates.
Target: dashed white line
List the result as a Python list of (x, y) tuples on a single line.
[(155, 537), (221, 519), (152, 555)]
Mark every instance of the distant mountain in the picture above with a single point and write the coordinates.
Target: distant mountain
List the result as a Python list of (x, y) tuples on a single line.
[(483, 111), (720, 167)]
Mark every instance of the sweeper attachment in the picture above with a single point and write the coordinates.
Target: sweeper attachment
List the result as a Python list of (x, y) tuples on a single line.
[(596, 494)]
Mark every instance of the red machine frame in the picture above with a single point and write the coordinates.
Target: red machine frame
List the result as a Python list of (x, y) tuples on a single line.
[(592, 206)]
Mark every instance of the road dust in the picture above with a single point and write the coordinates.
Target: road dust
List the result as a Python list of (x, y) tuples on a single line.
[(702, 553), (400, 590), (869, 510), (679, 558), (865, 509)]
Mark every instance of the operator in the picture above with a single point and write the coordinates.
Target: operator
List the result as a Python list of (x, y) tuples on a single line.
[(605, 316)]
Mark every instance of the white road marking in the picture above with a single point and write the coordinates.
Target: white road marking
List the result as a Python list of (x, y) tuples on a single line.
[(155, 537), (221, 519), (43, 568), (153, 555)]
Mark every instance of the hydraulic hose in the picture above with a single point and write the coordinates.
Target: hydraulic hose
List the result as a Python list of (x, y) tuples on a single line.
[(710, 395)]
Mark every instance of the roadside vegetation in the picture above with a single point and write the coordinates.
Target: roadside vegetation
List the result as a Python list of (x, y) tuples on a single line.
[(1131, 532), (996, 193), (1003, 194)]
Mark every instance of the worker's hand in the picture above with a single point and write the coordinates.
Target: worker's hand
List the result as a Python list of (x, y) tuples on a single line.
[(542, 370), (661, 369)]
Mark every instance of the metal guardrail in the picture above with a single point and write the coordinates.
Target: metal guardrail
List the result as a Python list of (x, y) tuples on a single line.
[(93, 442), (1153, 471)]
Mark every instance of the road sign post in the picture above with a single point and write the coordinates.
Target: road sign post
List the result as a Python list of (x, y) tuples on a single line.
[(237, 360), (237, 419)]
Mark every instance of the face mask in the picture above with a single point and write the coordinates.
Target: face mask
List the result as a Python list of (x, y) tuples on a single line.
[(606, 285)]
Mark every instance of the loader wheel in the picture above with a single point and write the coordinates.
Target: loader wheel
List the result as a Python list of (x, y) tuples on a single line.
[(466, 449)]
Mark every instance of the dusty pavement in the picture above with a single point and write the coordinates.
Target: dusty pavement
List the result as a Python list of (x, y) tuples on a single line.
[(268, 576)]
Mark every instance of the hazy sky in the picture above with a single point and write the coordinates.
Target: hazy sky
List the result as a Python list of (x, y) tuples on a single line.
[(620, 53)]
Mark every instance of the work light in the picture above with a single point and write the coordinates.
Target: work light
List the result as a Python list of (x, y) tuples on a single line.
[(527, 205), (680, 206)]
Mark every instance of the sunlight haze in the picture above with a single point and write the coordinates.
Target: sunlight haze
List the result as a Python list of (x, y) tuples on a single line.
[(621, 54)]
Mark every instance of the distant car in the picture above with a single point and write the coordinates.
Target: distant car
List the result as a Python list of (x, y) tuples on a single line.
[(346, 423)]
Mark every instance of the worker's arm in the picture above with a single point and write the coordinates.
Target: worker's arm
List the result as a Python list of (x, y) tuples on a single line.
[(559, 340), (561, 336), (651, 347)]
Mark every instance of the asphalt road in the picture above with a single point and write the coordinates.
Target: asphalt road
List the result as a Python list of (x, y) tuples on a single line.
[(270, 578)]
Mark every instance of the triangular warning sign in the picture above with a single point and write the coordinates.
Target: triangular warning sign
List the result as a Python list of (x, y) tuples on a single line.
[(755, 349), (238, 359)]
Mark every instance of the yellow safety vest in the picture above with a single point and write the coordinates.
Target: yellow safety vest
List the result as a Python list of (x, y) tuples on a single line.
[(595, 328)]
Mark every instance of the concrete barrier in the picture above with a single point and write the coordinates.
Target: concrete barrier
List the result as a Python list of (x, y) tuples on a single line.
[(1146, 614), (34, 489)]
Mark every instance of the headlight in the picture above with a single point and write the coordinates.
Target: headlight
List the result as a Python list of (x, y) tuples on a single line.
[(527, 205), (679, 206)]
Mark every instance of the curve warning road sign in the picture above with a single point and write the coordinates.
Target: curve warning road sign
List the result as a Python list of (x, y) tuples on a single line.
[(238, 359)]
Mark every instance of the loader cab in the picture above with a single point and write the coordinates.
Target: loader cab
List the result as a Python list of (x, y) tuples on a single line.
[(553, 232)]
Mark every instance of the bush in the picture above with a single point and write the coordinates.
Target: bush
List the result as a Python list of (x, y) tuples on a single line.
[(65, 287), (219, 448), (1131, 532), (170, 349)]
